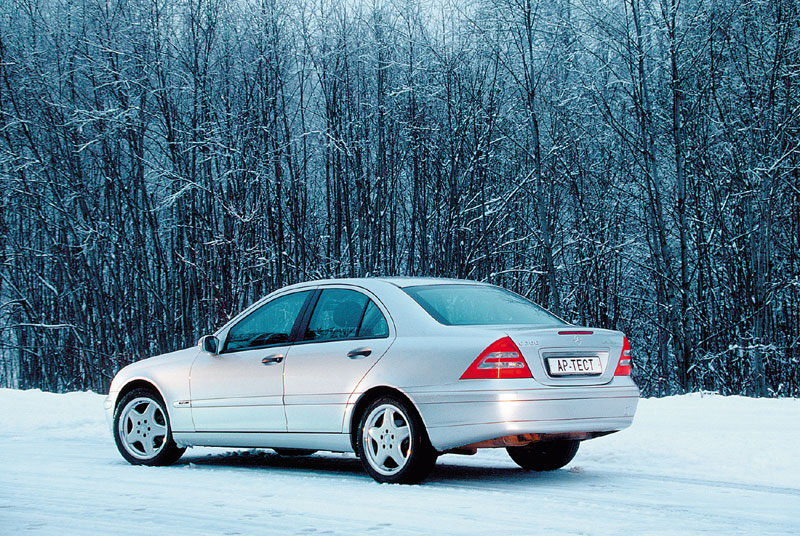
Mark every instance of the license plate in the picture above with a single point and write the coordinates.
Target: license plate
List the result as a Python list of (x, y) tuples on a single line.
[(570, 366)]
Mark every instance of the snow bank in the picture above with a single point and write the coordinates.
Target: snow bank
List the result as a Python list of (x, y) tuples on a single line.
[(69, 415), (730, 438)]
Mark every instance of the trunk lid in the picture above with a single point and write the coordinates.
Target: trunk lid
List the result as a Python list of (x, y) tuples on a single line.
[(568, 355)]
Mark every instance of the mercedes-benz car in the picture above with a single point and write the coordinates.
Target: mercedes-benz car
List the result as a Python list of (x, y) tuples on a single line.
[(397, 370)]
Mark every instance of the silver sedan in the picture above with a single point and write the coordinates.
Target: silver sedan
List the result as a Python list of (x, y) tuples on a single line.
[(397, 370)]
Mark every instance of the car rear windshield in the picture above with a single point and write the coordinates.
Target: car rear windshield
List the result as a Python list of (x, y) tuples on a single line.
[(482, 305)]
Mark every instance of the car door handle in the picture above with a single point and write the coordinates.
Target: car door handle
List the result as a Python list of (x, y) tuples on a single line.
[(272, 359), (359, 353)]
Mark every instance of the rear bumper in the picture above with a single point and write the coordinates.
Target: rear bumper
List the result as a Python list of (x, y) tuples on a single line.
[(455, 419)]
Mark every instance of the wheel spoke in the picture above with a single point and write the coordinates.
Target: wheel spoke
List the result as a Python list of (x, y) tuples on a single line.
[(383, 455), (374, 433), (158, 429), (132, 436), (150, 412), (388, 418), (401, 433), (400, 456), (147, 444)]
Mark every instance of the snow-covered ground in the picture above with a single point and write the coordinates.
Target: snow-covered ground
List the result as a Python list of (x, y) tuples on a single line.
[(689, 464)]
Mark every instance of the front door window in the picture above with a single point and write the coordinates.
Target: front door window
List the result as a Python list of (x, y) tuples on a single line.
[(269, 325)]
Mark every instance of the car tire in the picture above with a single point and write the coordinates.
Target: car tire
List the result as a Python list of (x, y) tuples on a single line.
[(294, 452), (142, 430), (392, 442), (544, 456)]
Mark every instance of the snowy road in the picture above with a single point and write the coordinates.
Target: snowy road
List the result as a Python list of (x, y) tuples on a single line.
[(689, 464)]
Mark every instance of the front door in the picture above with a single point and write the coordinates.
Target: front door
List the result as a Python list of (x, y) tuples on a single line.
[(241, 388)]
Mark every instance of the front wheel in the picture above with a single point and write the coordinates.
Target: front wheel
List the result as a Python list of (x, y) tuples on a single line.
[(392, 443), (544, 456), (142, 431)]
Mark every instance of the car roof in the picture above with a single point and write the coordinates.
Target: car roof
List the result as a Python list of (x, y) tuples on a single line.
[(399, 281)]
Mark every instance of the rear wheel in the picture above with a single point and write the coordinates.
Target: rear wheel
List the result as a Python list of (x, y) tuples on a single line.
[(392, 443), (544, 456), (142, 431)]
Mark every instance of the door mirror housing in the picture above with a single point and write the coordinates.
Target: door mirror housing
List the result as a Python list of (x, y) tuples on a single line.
[(210, 344)]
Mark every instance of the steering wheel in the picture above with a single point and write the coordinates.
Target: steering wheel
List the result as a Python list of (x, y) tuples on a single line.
[(263, 339)]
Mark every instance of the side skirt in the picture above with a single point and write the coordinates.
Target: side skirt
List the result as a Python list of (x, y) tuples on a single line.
[(313, 441)]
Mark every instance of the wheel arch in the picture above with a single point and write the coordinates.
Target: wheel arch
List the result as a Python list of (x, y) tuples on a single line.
[(139, 383), (373, 393)]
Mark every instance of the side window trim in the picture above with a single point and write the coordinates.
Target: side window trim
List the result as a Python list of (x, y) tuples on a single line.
[(292, 334), (363, 314), (300, 327)]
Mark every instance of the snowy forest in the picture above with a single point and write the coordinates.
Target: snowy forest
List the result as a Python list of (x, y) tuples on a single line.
[(628, 164)]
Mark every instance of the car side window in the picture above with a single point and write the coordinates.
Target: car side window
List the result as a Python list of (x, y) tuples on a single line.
[(269, 325), (341, 314)]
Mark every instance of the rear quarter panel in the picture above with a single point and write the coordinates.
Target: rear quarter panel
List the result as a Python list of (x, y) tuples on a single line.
[(427, 368)]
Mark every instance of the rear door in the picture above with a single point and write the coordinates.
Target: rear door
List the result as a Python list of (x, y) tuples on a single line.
[(241, 388), (346, 332)]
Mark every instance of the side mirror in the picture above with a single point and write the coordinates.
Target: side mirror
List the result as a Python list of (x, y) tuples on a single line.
[(209, 343)]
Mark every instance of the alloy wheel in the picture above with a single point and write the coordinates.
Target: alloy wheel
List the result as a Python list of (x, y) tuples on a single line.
[(387, 439), (143, 428)]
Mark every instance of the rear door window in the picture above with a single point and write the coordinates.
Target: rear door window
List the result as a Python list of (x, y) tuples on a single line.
[(345, 314), (373, 325)]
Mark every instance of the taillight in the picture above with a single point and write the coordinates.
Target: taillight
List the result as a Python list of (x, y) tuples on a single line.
[(502, 359), (624, 365)]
